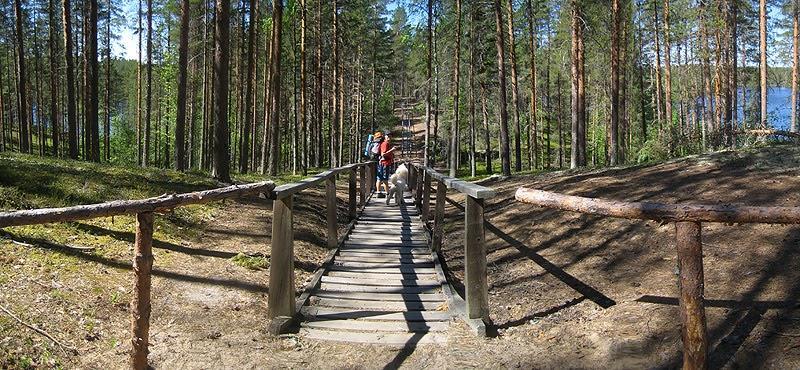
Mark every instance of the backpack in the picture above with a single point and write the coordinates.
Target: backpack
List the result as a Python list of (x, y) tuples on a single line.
[(375, 150), (368, 146)]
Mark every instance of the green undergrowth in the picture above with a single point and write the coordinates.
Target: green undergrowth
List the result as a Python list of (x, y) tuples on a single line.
[(250, 262)]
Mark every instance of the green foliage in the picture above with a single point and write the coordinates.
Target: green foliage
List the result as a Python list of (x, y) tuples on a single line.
[(250, 262)]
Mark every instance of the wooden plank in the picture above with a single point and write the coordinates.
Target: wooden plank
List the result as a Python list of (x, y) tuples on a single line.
[(351, 194), (381, 276), (380, 264), (692, 310), (385, 252), (385, 244), (378, 282), (380, 305), (386, 238), (291, 188), (281, 301), (328, 313), (475, 282), (438, 218), (425, 210), (379, 326), (398, 258), (423, 297), (385, 249), (380, 289), (330, 204), (390, 339)]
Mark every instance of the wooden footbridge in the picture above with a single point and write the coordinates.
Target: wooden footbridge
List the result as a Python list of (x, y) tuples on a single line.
[(382, 281)]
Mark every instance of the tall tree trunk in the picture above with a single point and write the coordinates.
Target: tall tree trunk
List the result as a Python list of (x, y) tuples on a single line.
[(762, 27), (221, 168), (667, 70), (505, 155), (429, 75), (275, 86), (578, 148), (335, 123), (183, 61), (659, 87), (139, 148), (795, 60), (533, 146), (318, 87), (54, 77), (472, 61), (455, 148), (91, 79), (514, 86), (706, 73), (107, 124), (72, 125), (487, 154), (303, 87), (22, 97), (149, 95), (249, 116), (615, 33)]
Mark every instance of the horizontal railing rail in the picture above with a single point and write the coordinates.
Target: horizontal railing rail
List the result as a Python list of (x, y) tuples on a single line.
[(688, 220), (475, 283), (282, 307)]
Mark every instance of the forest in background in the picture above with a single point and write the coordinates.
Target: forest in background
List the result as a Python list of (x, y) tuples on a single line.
[(283, 86)]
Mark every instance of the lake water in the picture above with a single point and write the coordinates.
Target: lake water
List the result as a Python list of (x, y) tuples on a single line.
[(779, 106)]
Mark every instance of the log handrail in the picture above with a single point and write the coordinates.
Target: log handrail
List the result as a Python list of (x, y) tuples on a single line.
[(474, 190), (688, 220), (727, 213), (123, 207), (282, 308)]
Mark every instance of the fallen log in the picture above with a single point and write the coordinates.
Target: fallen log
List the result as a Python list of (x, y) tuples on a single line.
[(123, 207), (728, 213)]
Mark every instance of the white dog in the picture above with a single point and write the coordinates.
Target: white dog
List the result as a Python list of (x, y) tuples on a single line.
[(398, 183)]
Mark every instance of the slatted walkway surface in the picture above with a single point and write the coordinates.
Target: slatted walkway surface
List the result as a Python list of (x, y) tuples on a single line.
[(383, 285)]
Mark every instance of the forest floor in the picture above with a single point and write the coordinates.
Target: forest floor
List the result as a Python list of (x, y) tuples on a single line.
[(566, 290)]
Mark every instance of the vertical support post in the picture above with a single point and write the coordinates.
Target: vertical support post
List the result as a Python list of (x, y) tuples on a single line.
[(330, 200), (421, 173), (438, 218), (140, 303), (692, 305), (475, 284), (362, 183), (373, 176), (281, 301), (351, 194), (426, 198), (412, 177)]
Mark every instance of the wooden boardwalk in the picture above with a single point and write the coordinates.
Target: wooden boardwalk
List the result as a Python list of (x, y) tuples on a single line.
[(383, 285)]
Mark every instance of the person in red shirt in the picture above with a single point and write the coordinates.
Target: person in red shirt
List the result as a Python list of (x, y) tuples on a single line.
[(386, 164)]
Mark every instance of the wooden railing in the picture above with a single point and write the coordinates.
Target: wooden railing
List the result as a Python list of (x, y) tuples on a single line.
[(475, 283), (687, 219), (282, 307)]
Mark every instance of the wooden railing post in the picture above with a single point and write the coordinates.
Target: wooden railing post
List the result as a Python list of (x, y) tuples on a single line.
[(140, 304), (351, 194), (692, 306), (475, 283), (426, 198), (330, 201), (362, 184), (421, 174), (281, 301), (438, 218), (373, 176)]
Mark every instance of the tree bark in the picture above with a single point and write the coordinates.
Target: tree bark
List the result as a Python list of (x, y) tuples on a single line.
[(149, 95), (54, 120), (249, 115), (91, 79), (659, 87), (795, 60), (578, 147), (762, 26), (107, 124), (22, 103), (514, 86), (303, 87), (455, 149), (275, 86), (221, 168), (614, 132), (72, 126), (533, 146), (667, 70), (505, 155), (486, 134), (183, 60), (429, 75)]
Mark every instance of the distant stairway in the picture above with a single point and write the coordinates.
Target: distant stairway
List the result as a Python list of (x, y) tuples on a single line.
[(383, 285)]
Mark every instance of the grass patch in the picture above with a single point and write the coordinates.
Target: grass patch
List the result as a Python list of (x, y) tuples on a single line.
[(250, 262)]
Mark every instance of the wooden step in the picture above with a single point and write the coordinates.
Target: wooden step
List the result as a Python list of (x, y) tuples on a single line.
[(381, 264), (379, 305), (401, 258), (362, 252), (380, 282), (383, 276), (386, 237), (379, 326), (425, 297), (326, 313), (334, 287), (391, 339)]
